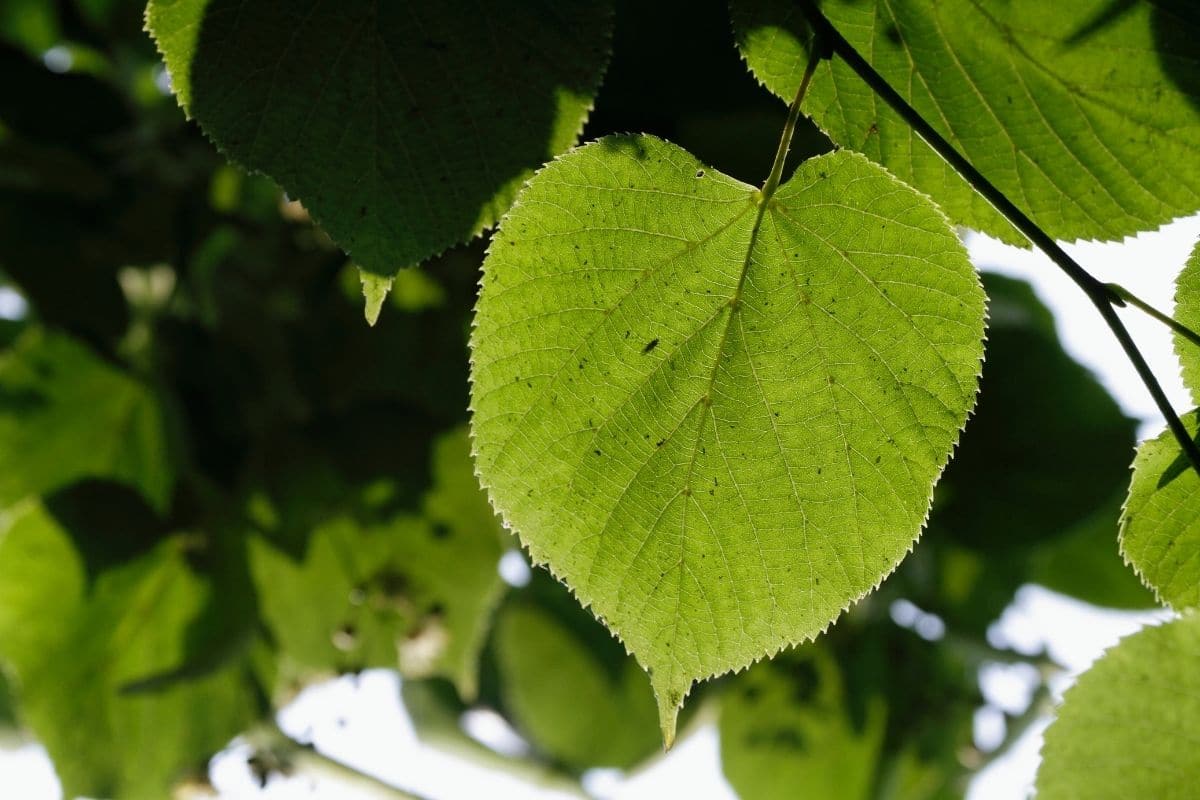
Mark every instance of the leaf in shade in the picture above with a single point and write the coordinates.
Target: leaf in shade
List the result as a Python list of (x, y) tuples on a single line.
[(403, 128), (416, 591), (787, 731)]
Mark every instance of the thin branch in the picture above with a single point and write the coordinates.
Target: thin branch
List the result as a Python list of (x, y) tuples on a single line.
[(789, 128), (1100, 295), (1123, 296), (299, 757)]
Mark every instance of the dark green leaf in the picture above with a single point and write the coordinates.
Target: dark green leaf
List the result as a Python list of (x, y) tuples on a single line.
[(403, 128)]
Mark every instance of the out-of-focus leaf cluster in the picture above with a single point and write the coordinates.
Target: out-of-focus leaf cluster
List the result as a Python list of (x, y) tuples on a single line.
[(219, 485)]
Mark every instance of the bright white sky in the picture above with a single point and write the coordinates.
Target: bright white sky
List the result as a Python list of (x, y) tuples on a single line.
[(363, 723)]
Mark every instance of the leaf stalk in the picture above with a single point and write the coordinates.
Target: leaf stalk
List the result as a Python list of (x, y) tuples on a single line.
[(1123, 296), (789, 129)]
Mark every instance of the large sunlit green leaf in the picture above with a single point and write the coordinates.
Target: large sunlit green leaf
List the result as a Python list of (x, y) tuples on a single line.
[(416, 592), (77, 645), (1129, 726), (1160, 526), (719, 421), (403, 128), (787, 732), (1083, 112), (66, 415)]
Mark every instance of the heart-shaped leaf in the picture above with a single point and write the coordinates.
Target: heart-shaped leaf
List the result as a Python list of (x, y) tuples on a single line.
[(1160, 524), (1083, 113), (718, 418), (404, 128)]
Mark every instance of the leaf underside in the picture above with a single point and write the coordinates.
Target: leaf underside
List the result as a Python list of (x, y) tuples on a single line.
[(719, 422), (1160, 524), (403, 128), (1084, 113), (1129, 726)]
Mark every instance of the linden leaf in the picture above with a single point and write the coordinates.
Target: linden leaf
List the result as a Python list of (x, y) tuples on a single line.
[(415, 592), (404, 128), (719, 420), (577, 698), (1083, 113), (1129, 726), (1187, 311), (78, 643), (1160, 524), (787, 730), (67, 415)]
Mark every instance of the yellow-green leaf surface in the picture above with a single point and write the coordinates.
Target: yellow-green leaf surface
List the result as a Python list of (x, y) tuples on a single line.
[(414, 593), (787, 731), (1160, 525), (66, 415), (1187, 311), (718, 420), (75, 643), (1130, 726), (1083, 112), (404, 128)]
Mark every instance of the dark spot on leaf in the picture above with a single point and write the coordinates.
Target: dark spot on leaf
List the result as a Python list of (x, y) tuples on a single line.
[(650, 345)]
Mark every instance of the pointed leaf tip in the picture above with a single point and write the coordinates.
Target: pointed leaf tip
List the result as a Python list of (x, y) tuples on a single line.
[(375, 291), (669, 694)]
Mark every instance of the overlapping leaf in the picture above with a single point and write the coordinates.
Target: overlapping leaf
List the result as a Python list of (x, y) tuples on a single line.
[(403, 128), (719, 420), (78, 648), (66, 415), (579, 699), (1129, 726), (416, 592), (1084, 113), (787, 731), (560, 678), (1160, 526)]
